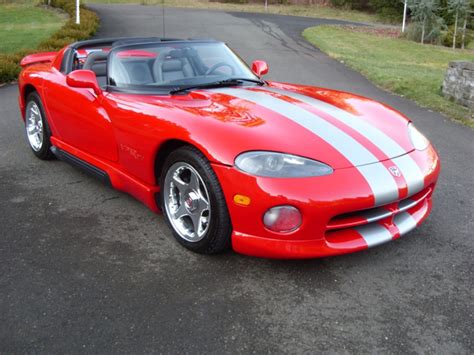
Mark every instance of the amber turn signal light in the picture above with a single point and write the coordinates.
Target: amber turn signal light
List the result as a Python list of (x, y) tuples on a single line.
[(242, 200)]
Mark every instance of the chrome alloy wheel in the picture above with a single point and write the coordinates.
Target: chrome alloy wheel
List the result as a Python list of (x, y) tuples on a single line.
[(187, 202), (34, 126)]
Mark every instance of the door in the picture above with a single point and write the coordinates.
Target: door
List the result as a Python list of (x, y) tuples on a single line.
[(80, 119)]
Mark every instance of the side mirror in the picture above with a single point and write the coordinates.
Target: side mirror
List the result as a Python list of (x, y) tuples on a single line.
[(260, 68), (85, 79)]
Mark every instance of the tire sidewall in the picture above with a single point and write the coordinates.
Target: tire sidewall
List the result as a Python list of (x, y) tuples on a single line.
[(219, 228), (44, 152)]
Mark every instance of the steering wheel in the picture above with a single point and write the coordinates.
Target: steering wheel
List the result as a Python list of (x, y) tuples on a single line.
[(212, 69)]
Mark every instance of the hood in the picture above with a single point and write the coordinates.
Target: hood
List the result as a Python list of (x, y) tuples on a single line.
[(337, 128)]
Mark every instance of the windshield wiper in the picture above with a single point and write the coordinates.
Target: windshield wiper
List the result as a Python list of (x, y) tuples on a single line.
[(227, 82)]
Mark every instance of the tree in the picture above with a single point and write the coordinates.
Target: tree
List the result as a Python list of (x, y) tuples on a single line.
[(459, 9), (464, 27), (424, 12)]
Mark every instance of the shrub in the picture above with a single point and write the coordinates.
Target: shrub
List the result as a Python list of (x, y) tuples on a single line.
[(388, 9), (9, 68), (352, 4), (448, 37), (234, 1), (390, 14), (433, 33), (70, 32)]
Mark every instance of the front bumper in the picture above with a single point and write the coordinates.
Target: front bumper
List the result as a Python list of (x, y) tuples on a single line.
[(338, 211)]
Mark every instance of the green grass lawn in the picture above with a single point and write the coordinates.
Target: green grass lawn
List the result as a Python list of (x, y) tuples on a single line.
[(25, 26), (398, 65), (296, 10)]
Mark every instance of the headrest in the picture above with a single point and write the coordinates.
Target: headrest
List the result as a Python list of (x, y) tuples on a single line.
[(94, 57), (100, 69), (175, 53), (172, 65)]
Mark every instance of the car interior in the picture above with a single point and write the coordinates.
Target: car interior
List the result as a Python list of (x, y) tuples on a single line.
[(97, 62), (158, 66)]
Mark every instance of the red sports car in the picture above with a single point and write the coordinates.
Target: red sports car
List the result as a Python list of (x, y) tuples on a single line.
[(275, 170)]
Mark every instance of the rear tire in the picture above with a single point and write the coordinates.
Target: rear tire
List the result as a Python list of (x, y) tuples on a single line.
[(193, 202), (37, 129)]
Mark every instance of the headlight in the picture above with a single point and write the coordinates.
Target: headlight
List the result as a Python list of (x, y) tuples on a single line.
[(279, 165), (418, 140)]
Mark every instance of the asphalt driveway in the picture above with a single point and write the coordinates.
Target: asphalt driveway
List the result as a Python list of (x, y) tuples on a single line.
[(84, 268)]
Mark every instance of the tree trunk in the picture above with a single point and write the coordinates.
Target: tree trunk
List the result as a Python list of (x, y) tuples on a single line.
[(464, 31), (423, 32), (455, 29)]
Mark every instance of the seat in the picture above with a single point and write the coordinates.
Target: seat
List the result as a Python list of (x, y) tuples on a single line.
[(97, 62), (139, 73), (173, 66)]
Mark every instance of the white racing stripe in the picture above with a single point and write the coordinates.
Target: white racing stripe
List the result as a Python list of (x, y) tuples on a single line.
[(404, 222), (374, 234), (408, 167), (411, 172), (382, 183)]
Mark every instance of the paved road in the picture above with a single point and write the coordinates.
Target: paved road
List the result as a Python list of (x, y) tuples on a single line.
[(84, 268)]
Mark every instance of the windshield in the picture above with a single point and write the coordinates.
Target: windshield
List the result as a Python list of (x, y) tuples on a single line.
[(167, 66)]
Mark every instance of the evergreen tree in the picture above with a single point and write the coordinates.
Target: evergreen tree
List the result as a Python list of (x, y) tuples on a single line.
[(459, 9), (425, 13)]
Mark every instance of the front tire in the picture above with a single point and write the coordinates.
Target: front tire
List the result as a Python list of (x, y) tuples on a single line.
[(193, 202), (37, 129)]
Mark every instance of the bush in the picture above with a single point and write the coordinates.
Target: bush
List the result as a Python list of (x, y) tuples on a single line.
[(388, 9), (352, 4), (70, 32), (391, 10), (232, 1), (433, 33), (9, 68), (390, 14), (448, 37)]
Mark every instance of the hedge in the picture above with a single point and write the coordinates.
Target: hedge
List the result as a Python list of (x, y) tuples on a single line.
[(70, 32)]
